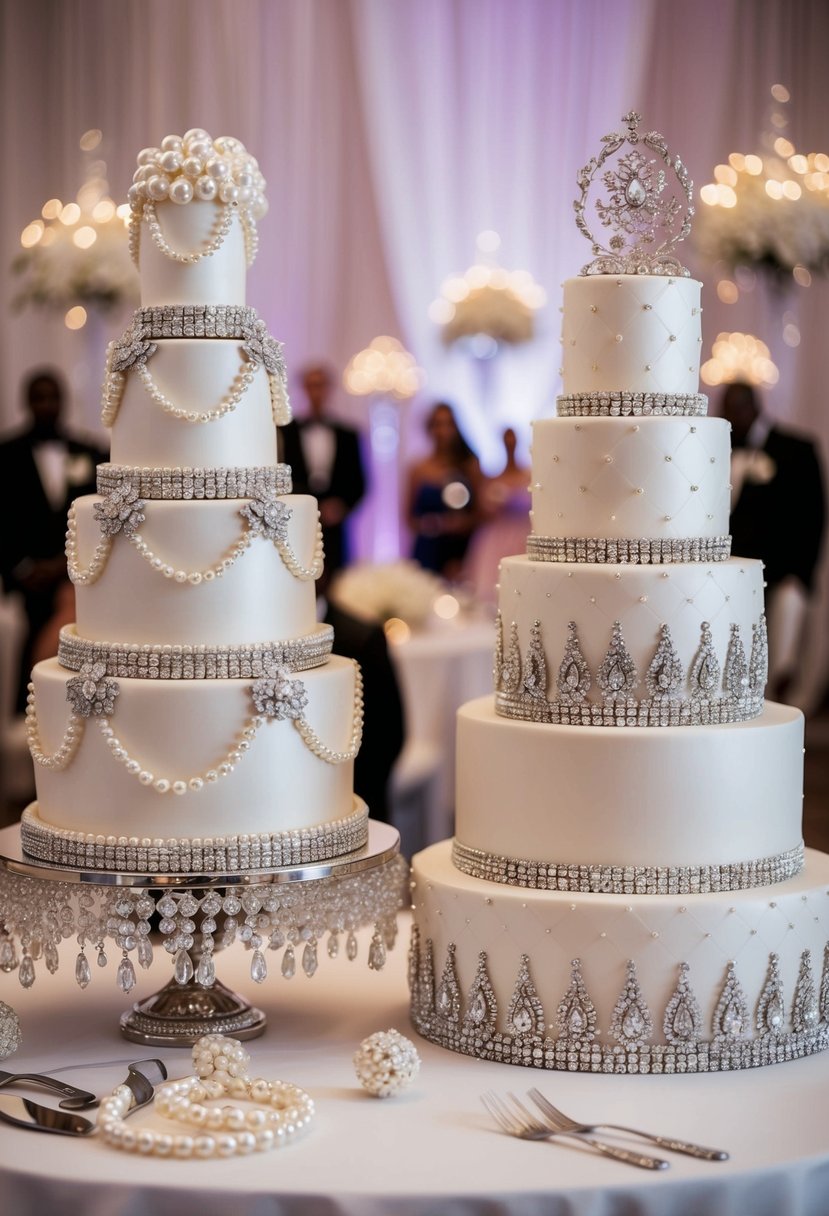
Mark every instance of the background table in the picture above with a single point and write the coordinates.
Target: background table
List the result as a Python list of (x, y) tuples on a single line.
[(430, 1151)]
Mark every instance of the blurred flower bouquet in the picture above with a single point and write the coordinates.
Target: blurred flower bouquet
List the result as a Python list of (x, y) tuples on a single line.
[(403, 590)]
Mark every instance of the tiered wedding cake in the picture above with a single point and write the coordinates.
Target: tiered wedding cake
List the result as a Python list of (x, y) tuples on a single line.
[(194, 719), (627, 890)]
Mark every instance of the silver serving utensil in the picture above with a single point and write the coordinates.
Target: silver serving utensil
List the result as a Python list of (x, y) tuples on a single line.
[(516, 1120), (562, 1122), (74, 1098), (23, 1112)]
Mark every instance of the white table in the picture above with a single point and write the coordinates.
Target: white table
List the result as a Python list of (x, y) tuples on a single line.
[(432, 1150), (440, 668)]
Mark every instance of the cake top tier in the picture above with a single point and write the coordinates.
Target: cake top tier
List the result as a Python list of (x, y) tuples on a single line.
[(646, 214), (194, 205)]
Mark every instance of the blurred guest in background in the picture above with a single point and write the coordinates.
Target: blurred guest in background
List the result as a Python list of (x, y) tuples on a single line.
[(325, 461), (777, 515), (504, 510), (443, 495), (41, 471)]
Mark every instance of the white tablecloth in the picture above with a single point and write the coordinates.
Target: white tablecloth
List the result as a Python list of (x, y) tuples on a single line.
[(432, 1151), (439, 669)]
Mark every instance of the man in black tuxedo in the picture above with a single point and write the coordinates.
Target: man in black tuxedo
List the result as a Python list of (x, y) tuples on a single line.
[(325, 461), (777, 504), (41, 471)]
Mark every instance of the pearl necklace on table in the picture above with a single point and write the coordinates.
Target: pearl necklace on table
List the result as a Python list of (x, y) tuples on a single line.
[(281, 1110)]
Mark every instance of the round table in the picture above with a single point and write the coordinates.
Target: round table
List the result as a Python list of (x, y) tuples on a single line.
[(431, 1150)]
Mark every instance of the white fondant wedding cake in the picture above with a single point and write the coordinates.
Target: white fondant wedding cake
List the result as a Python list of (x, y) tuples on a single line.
[(627, 889), (194, 719)]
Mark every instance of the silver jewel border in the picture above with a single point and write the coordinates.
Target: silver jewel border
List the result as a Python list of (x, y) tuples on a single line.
[(628, 551), (624, 879), (719, 712), (565, 1054), (206, 855), (125, 660), (623, 405), (196, 320), (186, 484)]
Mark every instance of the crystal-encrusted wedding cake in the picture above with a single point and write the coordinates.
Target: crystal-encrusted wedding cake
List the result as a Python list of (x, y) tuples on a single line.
[(627, 890), (194, 719)]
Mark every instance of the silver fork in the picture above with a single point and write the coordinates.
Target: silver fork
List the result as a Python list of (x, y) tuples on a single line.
[(561, 1122), (518, 1121)]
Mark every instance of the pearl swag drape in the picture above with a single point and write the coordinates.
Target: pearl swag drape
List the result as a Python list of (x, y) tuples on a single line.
[(391, 133)]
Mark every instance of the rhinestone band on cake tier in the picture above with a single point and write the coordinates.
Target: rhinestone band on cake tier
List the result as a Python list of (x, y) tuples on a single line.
[(635, 898), (195, 709)]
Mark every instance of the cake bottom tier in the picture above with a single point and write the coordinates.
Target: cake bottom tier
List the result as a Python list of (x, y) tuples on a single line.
[(182, 764), (619, 983)]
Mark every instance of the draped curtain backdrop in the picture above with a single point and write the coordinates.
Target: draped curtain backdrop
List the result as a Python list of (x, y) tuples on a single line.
[(391, 133)]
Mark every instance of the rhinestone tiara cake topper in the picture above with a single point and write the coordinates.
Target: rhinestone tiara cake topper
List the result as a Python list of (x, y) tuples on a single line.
[(646, 218)]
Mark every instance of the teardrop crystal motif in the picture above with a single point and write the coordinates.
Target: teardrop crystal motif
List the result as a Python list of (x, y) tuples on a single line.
[(732, 1020), (309, 958), (144, 950), (83, 972), (635, 192), (50, 957), (478, 1010), (616, 677), (377, 953), (102, 959), (8, 957), (351, 947), (576, 1021), (522, 1020), (26, 974), (333, 945), (571, 676), (125, 976), (633, 1024), (683, 1023), (206, 971), (183, 968), (258, 967), (289, 962), (774, 1013), (708, 673), (443, 1001)]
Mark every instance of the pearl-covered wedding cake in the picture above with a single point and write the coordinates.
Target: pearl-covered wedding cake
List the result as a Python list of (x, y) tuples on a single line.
[(627, 890), (194, 719)]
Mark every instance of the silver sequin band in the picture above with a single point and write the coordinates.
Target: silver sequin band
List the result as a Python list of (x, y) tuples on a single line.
[(702, 711), (186, 484), (623, 405), (625, 551), (627, 880), (208, 855), (124, 660), (196, 321)]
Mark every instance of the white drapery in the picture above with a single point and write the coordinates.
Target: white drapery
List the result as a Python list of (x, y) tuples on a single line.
[(391, 133)]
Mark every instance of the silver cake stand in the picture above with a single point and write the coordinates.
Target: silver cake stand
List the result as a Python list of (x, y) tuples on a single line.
[(181, 1012)]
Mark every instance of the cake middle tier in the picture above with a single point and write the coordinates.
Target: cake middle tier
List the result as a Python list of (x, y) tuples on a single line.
[(257, 598), (708, 607), (657, 478), (693, 798), (195, 375), (182, 731)]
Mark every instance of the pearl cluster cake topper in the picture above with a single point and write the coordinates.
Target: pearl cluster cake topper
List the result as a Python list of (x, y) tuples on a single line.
[(196, 167), (646, 220)]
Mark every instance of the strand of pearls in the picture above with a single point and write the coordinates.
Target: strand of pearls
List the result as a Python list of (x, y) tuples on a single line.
[(60, 759), (313, 742), (193, 577), (305, 574), (227, 405), (250, 234), (280, 402), (281, 1110), (84, 576), (112, 390), (222, 226), (180, 786)]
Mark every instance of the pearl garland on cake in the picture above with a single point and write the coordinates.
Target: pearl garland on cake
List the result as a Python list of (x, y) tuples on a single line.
[(62, 757), (313, 742), (181, 786), (281, 1110), (244, 378), (86, 576)]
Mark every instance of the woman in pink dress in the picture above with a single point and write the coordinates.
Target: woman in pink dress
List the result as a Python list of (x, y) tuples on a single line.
[(504, 510)]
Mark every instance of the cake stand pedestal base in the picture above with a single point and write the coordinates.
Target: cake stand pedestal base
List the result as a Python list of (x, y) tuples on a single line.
[(179, 1014)]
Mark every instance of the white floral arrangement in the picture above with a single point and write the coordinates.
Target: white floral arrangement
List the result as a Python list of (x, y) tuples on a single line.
[(771, 213), (59, 273), (487, 300), (402, 590)]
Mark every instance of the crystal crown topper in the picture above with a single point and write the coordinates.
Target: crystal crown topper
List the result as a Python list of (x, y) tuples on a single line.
[(646, 218)]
